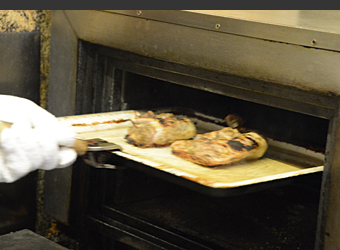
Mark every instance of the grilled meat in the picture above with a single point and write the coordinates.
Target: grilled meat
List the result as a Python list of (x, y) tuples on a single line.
[(150, 130), (221, 147), (225, 133)]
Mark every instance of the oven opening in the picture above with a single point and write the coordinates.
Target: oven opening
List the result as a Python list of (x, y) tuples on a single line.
[(112, 80), (137, 209), (145, 93)]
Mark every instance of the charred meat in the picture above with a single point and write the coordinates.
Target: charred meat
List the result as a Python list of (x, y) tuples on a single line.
[(221, 147)]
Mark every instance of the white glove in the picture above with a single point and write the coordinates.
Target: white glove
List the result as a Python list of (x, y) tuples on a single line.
[(36, 139)]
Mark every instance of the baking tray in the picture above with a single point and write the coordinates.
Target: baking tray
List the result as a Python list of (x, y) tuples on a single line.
[(281, 163)]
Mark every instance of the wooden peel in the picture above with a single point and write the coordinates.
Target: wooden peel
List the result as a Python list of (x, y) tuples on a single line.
[(80, 146)]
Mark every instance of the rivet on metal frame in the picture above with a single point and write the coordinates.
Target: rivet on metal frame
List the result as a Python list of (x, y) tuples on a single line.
[(139, 12), (313, 42), (217, 26)]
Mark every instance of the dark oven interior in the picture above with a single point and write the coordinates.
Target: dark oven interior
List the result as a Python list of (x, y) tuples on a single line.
[(126, 208)]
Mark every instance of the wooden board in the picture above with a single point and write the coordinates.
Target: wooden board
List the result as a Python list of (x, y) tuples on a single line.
[(281, 161)]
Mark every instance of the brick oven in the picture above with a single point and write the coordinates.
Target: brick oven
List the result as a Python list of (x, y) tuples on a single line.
[(276, 69)]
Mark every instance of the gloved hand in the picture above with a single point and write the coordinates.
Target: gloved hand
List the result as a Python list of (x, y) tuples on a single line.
[(36, 139)]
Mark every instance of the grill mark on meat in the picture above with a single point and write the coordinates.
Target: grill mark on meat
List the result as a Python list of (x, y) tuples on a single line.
[(210, 150), (239, 146), (165, 122), (236, 145)]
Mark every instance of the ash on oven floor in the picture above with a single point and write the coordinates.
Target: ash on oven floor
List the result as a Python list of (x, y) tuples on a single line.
[(281, 218)]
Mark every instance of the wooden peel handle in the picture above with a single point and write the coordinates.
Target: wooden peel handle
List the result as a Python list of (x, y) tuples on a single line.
[(79, 145), (4, 125)]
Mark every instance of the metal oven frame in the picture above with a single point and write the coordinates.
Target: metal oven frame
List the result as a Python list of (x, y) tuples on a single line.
[(288, 65)]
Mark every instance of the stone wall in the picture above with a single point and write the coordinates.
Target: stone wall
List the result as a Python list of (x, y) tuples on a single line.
[(34, 21), (45, 42), (18, 20)]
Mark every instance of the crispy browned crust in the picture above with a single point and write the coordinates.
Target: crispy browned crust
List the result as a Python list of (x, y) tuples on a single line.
[(225, 133), (145, 145), (150, 130), (213, 152)]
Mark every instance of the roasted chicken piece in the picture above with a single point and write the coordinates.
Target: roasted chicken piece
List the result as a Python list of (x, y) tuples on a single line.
[(150, 130), (225, 133), (221, 147)]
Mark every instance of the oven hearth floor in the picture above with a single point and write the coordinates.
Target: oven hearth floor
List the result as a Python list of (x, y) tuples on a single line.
[(279, 218)]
